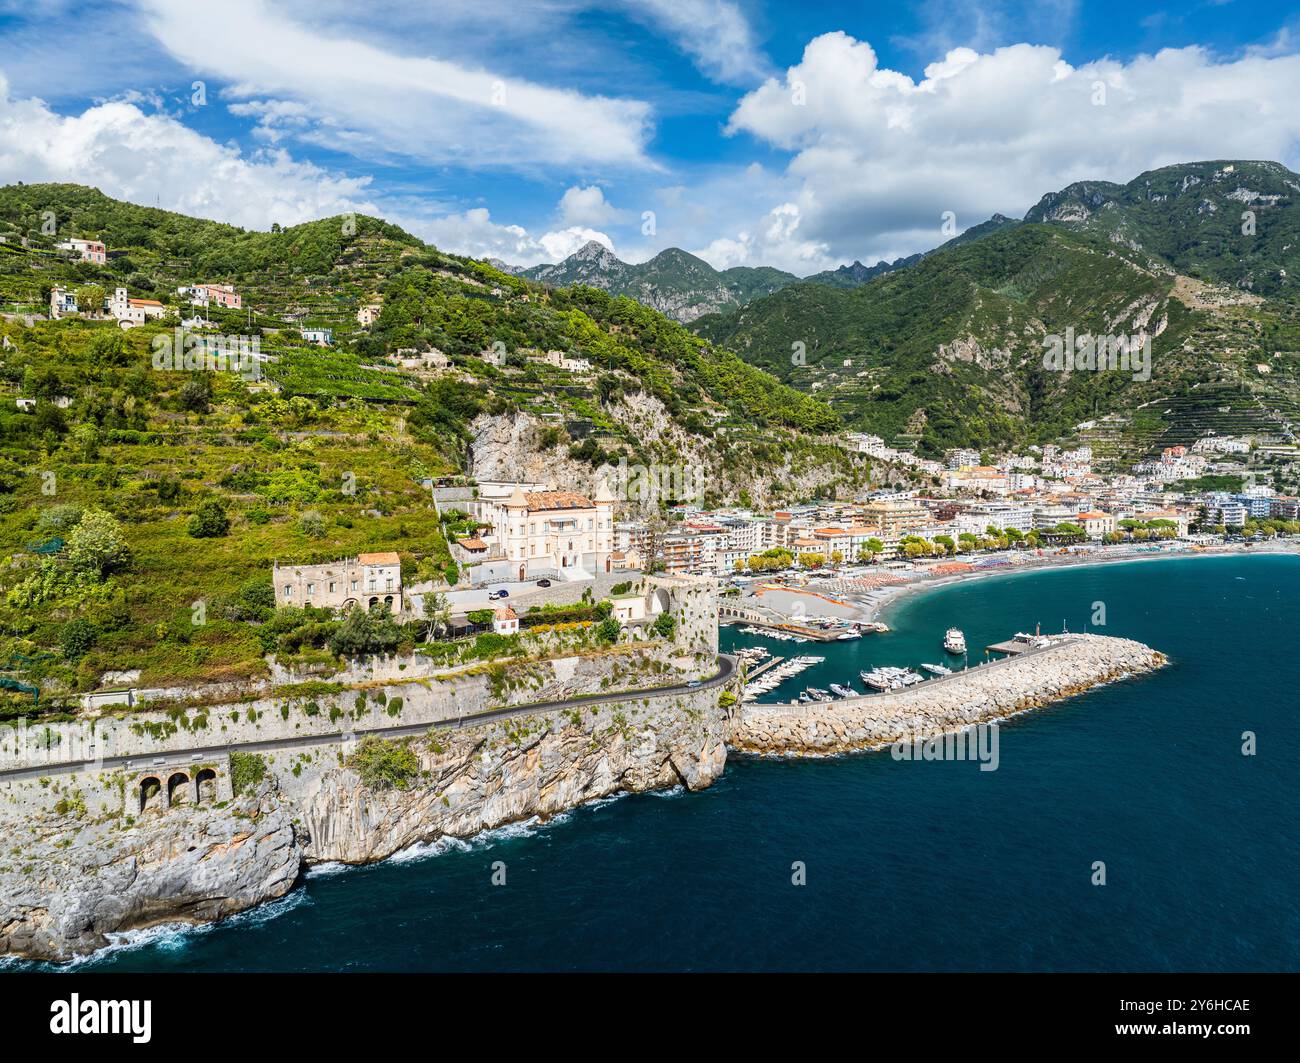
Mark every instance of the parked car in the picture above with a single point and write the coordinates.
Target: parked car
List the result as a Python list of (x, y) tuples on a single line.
[(543, 583), (494, 595), (693, 683)]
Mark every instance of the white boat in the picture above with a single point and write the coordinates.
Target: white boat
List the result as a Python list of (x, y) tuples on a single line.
[(843, 691), (954, 641), (847, 635), (937, 669)]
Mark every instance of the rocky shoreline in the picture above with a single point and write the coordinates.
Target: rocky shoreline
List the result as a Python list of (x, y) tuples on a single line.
[(983, 694)]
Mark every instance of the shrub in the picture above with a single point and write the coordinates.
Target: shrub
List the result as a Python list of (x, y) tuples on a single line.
[(607, 630), (95, 545), (385, 765), (312, 524), (209, 521), (247, 770), (362, 632), (78, 638)]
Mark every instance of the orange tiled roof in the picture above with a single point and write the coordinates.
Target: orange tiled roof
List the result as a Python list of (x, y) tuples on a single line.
[(472, 543), (542, 501), (506, 613), (387, 557)]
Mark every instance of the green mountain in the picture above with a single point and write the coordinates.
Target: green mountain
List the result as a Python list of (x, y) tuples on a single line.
[(855, 274), (673, 282), (137, 494), (950, 350), (1229, 222)]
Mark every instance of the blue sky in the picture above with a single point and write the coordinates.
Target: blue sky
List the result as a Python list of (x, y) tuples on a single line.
[(800, 135)]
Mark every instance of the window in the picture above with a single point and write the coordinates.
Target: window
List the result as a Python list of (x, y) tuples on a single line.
[(332, 588), (388, 584), (311, 589), (288, 591)]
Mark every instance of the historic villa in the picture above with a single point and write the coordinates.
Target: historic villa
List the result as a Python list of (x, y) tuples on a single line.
[(544, 532), (369, 580)]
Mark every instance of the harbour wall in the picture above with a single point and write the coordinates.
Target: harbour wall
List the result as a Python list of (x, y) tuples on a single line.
[(989, 692)]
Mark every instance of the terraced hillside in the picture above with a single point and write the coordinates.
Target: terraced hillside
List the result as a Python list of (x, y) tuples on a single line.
[(141, 506)]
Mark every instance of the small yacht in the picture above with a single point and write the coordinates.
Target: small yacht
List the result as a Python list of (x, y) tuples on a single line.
[(937, 669), (843, 691), (954, 641)]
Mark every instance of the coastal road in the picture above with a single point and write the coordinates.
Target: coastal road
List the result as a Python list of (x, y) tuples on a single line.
[(726, 669)]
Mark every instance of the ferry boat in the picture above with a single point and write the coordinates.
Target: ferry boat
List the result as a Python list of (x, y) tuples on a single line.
[(954, 641), (937, 669)]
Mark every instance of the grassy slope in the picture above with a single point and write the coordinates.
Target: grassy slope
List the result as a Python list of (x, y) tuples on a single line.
[(129, 444)]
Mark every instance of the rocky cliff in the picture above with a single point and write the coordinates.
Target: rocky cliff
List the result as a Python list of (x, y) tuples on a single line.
[(73, 875), (67, 884), (476, 780), (509, 447)]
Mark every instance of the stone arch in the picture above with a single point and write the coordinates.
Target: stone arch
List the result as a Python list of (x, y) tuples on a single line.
[(150, 793), (205, 786), (351, 603), (373, 602), (521, 573), (178, 789), (659, 601), (388, 603)]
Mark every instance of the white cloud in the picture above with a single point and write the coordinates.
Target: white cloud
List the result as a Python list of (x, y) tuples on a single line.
[(879, 157), (587, 206), (776, 240), (358, 97), (563, 243), (714, 33), (474, 233), (152, 158)]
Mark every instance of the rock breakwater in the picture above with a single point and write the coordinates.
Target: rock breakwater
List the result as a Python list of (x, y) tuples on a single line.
[(990, 692)]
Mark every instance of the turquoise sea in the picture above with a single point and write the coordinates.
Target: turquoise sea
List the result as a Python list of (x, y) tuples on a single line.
[(910, 866)]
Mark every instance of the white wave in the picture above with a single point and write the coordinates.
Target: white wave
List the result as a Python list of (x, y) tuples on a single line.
[(326, 870)]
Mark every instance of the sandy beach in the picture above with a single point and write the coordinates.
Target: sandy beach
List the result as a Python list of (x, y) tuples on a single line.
[(875, 603)]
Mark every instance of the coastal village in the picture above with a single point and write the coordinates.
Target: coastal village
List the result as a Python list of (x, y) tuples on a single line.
[(556, 638)]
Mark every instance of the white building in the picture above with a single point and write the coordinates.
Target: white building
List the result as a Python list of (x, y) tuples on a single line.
[(212, 295), (128, 311), (86, 250), (322, 337), (546, 532)]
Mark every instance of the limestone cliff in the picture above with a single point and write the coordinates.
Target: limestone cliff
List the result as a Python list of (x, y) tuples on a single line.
[(67, 883), (475, 780), (510, 447), (73, 874)]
